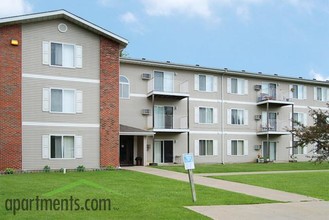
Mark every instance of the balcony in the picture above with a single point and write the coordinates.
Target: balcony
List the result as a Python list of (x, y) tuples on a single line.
[(167, 88), (274, 99), (168, 124), (273, 127)]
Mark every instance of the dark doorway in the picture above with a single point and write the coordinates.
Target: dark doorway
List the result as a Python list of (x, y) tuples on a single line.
[(126, 150)]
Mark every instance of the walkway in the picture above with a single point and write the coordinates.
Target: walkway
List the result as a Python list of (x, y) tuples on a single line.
[(297, 206)]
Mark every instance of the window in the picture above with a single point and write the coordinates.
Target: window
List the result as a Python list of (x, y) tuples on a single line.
[(299, 149), (299, 118), (163, 81), (62, 100), (321, 94), (268, 91), (298, 91), (237, 116), (237, 147), (163, 117), (237, 86), (206, 115), (163, 151), (205, 147), (62, 55), (124, 89), (205, 83), (61, 146)]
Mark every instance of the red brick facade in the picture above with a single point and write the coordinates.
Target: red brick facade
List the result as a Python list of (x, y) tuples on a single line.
[(109, 102), (10, 98)]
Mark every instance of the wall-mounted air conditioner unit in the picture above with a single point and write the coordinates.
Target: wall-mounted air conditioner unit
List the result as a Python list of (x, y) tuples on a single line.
[(146, 111), (258, 147), (146, 76), (258, 117), (258, 87)]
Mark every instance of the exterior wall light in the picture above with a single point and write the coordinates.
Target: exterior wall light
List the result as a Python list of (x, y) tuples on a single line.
[(14, 42)]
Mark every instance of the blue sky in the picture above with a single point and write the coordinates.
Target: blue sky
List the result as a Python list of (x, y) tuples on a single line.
[(285, 37)]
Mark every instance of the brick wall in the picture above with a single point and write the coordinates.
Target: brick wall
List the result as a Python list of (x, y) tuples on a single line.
[(10, 98), (109, 103)]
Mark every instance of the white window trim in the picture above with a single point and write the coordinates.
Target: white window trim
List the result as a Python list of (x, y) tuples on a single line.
[(245, 116), (214, 116), (77, 54), (197, 147), (46, 146), (214, 82), (229, 147), (245, 86), (324, 95), (124, 83), (46, 100), (300, 87)]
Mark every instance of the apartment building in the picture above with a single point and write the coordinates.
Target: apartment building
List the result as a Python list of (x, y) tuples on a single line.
[(220, 115), (59, 93)]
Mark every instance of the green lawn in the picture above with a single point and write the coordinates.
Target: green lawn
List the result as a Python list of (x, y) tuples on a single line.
[(314, 184), (133, 195), (249, 167)]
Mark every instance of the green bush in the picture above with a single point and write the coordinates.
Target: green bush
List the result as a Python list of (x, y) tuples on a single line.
[(46, 169), (81, 168), (9, 171), (110, 167)]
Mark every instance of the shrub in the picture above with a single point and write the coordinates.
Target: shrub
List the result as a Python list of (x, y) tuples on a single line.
[(9, 171), (46, 169), (81, 168), (110, 167)]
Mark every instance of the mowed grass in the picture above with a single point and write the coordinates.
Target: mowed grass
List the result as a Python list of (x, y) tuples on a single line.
[(249, 167), (133, 195), (314, 184)]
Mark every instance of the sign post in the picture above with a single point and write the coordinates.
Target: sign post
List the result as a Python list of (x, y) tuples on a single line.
[(189, 166)]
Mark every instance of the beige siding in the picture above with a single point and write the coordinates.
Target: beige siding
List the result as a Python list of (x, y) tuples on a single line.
[(32, 148), (35, 33)]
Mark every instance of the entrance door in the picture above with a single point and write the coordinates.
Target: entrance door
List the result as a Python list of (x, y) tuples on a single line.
[(269, 150), (163, 151), (126, 150)]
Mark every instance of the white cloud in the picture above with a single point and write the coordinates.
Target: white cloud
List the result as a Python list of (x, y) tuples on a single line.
[(197, 8), (133, 22), (14, 7), (318, 76), (128, 18)]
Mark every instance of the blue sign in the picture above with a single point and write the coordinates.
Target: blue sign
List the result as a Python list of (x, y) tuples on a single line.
[(188, 161)]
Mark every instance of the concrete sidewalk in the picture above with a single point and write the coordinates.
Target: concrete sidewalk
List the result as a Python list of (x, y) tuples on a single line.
[(298, 207), (227, 185)]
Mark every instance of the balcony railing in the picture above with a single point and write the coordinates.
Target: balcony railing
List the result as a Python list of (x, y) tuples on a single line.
[(168, 88), (176, 123), (273, 126)]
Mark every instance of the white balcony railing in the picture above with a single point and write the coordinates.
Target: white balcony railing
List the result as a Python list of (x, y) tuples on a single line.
[(168, 87), (175, 122)]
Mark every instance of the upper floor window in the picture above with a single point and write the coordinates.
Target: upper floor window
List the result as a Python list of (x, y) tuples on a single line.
[(237, 147), (124, 88), (205, 115), (237, 116), (298, 91), (205, 83), (205, 147), (321, 94), (163, 81), (299, 119), (237, 86), (61, 54), (62, 100)]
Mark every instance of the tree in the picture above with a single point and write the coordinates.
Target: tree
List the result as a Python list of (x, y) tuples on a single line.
[(316, 134)]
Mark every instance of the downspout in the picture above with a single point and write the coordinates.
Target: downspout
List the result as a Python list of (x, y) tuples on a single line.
[(222, 114)]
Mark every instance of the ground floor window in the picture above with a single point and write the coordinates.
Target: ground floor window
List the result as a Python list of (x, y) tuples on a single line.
[(163, 151), (237, 147), (61, 146), (206, 147)]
